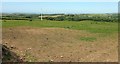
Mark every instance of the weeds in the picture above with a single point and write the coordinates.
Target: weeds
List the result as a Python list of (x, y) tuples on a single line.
[(90, 39)]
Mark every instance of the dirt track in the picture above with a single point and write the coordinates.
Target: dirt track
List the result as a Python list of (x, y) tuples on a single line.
[(59, 44)]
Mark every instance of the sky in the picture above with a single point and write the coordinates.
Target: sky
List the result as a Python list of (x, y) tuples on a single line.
[(60, 0), (60, 7)]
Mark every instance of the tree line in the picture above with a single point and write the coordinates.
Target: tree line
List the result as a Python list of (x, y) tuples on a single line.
[(63, 17), (81, 17)]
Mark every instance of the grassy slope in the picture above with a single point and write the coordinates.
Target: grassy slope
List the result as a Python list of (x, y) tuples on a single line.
[(91, 26)]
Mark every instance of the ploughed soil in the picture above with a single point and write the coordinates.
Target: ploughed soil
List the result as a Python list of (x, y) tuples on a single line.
[(59, 45)]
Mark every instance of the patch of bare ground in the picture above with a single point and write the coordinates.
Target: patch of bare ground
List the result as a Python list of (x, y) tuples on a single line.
[(59, 45)]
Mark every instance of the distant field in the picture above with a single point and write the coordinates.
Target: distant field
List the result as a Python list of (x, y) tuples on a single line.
[(64, 41), (91, 26)]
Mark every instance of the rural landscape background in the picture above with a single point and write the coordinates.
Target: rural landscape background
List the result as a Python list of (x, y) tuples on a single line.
[(59, 32)]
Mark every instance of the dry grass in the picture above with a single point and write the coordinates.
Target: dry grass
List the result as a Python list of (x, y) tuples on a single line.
[(59, 44)]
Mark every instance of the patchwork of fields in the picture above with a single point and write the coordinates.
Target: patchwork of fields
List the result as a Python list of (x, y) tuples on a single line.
[(44, 41)]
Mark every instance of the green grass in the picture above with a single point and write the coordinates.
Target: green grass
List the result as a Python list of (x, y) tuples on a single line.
[(90, 39), (91, 26)]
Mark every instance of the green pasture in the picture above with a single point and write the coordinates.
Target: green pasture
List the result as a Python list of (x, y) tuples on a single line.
[(90, 26)]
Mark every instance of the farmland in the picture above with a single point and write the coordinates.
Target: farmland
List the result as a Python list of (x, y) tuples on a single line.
[(62, 41)]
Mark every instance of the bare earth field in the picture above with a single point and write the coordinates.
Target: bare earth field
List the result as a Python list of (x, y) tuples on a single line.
[(60, 45)]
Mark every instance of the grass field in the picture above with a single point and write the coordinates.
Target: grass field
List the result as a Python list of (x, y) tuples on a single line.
[(62, 40), (91, 26)]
